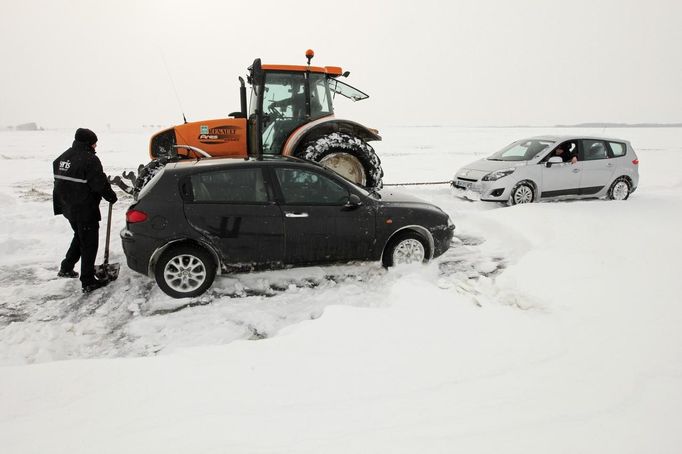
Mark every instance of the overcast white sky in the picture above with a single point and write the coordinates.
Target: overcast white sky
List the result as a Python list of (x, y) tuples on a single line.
[(479, 62)]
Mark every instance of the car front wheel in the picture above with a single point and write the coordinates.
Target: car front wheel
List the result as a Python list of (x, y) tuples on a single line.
[(522, 193), (408, 247), (185, 271)]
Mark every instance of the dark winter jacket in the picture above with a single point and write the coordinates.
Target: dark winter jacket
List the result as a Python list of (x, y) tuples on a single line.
[(80, 184)]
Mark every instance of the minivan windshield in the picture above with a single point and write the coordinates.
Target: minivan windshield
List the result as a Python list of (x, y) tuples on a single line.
[(523, 150)]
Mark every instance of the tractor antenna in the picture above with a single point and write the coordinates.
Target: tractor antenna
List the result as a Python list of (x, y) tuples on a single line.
[(309, 54), (170, 77)]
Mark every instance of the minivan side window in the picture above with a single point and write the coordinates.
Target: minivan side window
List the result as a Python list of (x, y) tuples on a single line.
[(594, 149), (303, 187), (230, 186), (617, 148)]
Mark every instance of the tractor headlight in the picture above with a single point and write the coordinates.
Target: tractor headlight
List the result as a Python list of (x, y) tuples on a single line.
[(496, 175)]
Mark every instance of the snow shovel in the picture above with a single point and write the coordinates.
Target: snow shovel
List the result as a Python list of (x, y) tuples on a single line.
[(107, 271)]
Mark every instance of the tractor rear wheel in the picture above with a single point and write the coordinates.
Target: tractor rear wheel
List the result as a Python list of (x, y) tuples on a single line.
[(349, 156)]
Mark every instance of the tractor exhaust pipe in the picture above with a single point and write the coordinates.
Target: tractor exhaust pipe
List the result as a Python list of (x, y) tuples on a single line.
[(242, 96)]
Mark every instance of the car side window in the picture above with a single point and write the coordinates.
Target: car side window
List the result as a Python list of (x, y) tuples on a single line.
[(594, 149), (617, 149), (303, 187), (230, 186)]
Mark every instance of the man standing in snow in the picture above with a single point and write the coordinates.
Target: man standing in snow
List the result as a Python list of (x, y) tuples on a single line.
[(79, 186)]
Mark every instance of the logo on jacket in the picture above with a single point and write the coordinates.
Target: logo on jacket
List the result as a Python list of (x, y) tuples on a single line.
[(64, 165)]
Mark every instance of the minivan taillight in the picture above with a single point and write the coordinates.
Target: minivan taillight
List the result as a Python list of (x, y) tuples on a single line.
[(134, 216), (635, 161)]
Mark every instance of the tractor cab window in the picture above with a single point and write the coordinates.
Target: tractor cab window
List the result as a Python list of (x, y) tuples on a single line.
[(320, 99), (284, 108)]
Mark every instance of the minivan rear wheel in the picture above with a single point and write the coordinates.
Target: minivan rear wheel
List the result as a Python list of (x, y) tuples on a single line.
[(620, 189), (185, 271)]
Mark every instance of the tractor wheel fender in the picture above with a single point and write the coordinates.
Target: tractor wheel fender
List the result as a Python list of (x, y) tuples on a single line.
[(325, 126)]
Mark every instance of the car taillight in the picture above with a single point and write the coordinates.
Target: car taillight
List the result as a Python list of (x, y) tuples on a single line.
[(635, 161), (133, 216)]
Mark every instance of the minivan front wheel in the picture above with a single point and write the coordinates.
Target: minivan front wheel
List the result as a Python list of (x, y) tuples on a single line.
[(620, 189), (522, 193), (184, 271), (407, 247)]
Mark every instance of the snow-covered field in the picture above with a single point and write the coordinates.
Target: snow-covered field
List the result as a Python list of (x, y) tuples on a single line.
[(547, 328)]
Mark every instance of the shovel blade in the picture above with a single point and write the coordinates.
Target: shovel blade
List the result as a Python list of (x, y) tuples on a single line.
[(107, 271)]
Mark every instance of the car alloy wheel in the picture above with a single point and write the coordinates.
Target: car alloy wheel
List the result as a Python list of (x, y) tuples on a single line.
[(184, 273), (620, 190), (409, 250), (523, 194)]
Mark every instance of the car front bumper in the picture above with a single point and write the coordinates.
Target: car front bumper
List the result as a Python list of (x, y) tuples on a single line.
[(487, 191)]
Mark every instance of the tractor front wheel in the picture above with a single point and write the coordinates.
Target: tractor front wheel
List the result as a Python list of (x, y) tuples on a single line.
[(349, 156)]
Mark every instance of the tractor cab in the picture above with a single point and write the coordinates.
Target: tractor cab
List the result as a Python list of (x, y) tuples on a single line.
[(285, 97)]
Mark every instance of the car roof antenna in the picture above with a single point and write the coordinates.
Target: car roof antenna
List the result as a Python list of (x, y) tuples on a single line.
[(175, 91)]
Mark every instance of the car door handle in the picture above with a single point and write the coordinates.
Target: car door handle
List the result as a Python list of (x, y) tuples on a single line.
[(576, 170), (289, 214), (610, 164)]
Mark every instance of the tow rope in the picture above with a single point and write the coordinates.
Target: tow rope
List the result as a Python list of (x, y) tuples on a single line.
[(419, 184)]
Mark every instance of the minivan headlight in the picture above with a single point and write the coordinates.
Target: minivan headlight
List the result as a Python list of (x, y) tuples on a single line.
[(496, 175)]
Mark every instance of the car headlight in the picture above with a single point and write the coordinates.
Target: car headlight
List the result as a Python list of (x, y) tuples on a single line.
[(496, 175)]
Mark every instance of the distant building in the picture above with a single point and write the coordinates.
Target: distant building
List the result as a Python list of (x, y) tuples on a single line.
[(27, 127)]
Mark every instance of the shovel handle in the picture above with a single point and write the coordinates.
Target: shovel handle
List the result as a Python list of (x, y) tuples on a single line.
[(106, 247)]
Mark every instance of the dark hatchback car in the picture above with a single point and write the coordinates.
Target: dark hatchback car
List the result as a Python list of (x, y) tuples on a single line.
[(197, 218)]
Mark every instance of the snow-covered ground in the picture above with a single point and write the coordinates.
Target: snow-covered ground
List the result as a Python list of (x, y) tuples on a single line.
[(551, 327)]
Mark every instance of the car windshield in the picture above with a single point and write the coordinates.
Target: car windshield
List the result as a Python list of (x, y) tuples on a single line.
[(523, 150)]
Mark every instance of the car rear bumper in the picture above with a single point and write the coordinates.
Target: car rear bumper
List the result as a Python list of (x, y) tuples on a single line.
[(138, 250)]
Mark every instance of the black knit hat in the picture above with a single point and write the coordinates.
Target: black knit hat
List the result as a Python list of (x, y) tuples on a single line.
[(86, 136)]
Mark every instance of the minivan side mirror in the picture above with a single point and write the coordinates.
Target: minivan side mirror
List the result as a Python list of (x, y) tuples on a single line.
[(554, 160), (353, 201)]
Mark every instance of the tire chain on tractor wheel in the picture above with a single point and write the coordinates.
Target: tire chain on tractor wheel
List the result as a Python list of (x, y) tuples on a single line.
[(317, 149)]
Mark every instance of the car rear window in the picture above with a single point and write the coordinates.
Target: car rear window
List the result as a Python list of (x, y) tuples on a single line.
[(617, 148), (155, 179)]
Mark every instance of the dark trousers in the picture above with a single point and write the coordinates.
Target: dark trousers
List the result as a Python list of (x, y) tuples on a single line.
[(84, 248)]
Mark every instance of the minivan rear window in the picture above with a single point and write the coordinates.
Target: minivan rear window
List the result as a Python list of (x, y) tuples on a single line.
[(617, 148)]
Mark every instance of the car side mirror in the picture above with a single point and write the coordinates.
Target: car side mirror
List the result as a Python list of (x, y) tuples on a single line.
[(554, 160), (353, 201)]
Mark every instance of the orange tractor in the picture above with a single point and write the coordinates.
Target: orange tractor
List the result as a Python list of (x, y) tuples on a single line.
[(290, 113)]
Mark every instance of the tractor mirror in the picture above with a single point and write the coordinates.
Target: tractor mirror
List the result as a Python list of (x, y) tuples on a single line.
[(257, 72)]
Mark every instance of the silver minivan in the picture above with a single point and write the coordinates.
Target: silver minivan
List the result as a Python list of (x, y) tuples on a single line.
[(552, 167)]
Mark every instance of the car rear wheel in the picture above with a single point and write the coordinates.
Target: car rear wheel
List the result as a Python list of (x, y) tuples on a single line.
[(522, 193), (185, 271), (349, 156), (620, 189), (404, 248)]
